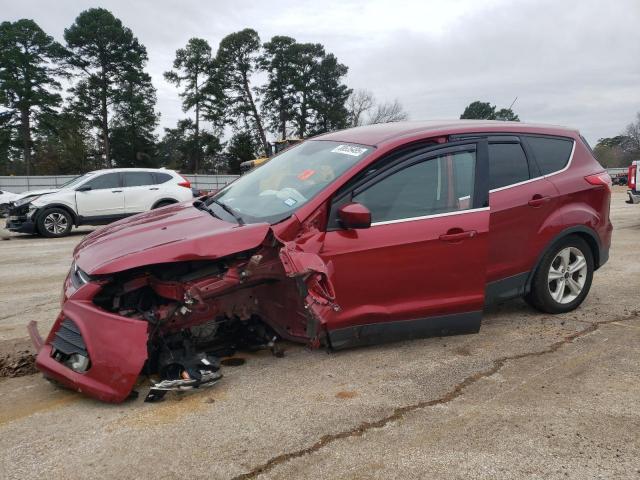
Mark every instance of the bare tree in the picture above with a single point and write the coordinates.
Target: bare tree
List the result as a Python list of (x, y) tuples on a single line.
[(358, 104), (363, 110), (632, 133), (388, 112)]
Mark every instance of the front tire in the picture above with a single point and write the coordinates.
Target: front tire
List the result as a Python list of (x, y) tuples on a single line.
[(563, 278), (54, 223)]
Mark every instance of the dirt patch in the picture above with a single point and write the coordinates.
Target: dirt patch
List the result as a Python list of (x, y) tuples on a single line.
[(18, 365), (346, 394), (463, 351)]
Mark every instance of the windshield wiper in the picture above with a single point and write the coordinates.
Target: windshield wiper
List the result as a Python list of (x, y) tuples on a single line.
[(230, 211), (200, 205)]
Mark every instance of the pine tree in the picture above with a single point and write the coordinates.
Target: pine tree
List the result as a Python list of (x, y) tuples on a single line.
[(278, 100), (238, 57), (134, 121), (103, 53), (29, 68), (195, 71)]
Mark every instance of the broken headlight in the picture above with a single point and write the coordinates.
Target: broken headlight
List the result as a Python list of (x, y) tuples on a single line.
[(24, 201), (78, 277)]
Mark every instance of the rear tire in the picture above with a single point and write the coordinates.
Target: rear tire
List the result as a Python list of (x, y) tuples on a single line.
[(563, 278), (54, 223)]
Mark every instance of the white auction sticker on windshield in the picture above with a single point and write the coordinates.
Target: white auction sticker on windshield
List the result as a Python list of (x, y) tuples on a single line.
[(290, 201), (349, 150)]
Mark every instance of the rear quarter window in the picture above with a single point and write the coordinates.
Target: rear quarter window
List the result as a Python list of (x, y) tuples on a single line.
[(551, 154), (162, 177)]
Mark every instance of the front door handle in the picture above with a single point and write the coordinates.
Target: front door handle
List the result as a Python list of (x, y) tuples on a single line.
[(154, 188), (538, 200), (116, 191), (457, 235)]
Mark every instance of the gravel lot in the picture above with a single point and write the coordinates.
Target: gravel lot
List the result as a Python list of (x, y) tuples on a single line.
[(531, 396)]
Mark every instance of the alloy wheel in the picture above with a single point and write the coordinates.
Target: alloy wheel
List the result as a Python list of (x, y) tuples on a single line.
[(56, 223), (567, 275)]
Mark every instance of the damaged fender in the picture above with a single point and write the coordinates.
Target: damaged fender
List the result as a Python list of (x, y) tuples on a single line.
[(314, 286)]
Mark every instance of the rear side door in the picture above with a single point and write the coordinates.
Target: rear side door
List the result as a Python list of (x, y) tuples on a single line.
[(420, 268), (521, 199), (140, 191), (101, 196)]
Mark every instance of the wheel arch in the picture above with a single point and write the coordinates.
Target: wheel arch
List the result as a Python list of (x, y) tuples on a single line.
[(586, 233), (61, 206), (163, 200)]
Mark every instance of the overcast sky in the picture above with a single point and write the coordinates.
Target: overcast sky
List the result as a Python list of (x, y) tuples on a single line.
[(569, 62)]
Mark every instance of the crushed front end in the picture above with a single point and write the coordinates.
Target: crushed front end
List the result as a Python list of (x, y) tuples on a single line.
[(172, 321), (22, 218)]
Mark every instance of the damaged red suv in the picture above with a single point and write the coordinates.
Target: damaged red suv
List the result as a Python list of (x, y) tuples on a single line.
[(366, 235)]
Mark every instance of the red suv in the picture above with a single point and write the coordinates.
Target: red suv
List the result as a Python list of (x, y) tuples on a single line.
[(365, 235)]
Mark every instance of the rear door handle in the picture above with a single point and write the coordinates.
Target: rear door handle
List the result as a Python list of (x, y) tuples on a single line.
[(116, 191), (538, 200), (154, 188), (458, 235)]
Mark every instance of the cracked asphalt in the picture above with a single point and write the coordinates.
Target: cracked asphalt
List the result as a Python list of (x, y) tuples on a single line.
[(530, 396)]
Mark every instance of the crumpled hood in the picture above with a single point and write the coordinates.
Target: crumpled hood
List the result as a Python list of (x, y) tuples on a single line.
[(32, 193), (176, 233), (6, 197)]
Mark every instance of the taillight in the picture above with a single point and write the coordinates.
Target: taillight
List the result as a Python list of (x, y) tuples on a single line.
[(631, 177), (186, 183), (600, 179)]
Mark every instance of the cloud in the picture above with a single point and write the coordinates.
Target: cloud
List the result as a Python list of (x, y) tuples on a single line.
[(571, 62)]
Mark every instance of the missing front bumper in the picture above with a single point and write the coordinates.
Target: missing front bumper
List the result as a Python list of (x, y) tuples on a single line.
[(21, 225)]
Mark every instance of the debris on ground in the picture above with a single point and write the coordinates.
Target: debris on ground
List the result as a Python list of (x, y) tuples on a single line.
[(18, 364)]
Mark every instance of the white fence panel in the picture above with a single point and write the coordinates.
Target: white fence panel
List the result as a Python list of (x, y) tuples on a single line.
[(19, 184)]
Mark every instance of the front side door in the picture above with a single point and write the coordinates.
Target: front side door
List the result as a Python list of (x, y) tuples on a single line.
[(420, 268), (140, 191), (104, 198)]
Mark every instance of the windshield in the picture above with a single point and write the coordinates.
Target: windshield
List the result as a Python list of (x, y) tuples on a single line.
[(273, 191), (77, 180)]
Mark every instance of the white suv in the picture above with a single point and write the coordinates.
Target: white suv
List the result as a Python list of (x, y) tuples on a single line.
[(97, 198)]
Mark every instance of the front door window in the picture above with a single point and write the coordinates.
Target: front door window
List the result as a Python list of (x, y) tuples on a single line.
[(439, 185)]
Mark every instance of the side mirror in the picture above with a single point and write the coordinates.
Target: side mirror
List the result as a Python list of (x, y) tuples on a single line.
[(84, 188), (354, 215)]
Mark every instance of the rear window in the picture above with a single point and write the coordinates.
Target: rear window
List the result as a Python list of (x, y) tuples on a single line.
[(162, 177), (507, 164), (551, 154), (138, 179)]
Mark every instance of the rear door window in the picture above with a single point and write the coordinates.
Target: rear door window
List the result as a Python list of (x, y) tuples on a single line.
[(138, 179), (551, 154), (108, 180), (507, 165)]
